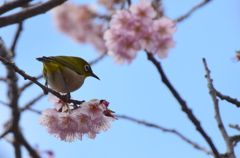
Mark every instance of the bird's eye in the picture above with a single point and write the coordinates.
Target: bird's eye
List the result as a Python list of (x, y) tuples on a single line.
[(86, 67)]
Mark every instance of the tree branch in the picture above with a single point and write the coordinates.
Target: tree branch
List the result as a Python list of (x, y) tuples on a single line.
[(36, 111), (1, 102), (3, 79), (183, 104), (17, 149), (98, 59), (7, 6), (29, 12), (21, 89), (237, 127), (235, 139), (23, 141), (221, 127), (229, 99), (195, 145), (181, 18), (129, 2), (27, 106), (16, 37), (13, 96)]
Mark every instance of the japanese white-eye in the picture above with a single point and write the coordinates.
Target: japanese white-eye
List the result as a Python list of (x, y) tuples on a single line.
[(65, 73)]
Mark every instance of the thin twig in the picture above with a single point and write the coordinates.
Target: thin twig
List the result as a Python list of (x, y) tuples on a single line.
[(21, 89), (183, 104), (16, 37), (195, 145), (33, 79), (3, 79), (218, 118), (30, 103), (3, 103), (235, 139), (181, 18), (129, 2), (36, 111), (29, 12), (9, 5), (6, 131), (98, 58), (237, 127), (229, 99)]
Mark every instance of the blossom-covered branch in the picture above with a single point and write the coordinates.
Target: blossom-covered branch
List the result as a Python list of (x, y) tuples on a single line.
[(195, 145), (29, 12), (183, 104)]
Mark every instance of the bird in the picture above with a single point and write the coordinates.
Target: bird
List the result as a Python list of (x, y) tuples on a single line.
[(65, 74)]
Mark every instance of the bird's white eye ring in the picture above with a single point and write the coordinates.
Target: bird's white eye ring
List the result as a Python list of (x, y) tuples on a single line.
[(86, 67)]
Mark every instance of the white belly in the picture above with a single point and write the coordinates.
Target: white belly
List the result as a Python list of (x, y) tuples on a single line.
[(73, 80)]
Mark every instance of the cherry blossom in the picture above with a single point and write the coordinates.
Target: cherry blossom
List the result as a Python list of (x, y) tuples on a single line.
[(143, 10), (109, 4), (162, 47), (78, 23), (88, 119), (136, 29), (164, 27)]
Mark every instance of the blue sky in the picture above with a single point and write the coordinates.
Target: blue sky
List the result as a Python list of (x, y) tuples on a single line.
[(136, 90)]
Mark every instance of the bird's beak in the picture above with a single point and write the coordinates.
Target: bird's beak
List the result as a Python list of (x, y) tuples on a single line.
[(95, 76)]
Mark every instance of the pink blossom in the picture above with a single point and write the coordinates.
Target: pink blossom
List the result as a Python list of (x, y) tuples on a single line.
[(58, 103), (93, 108), (164, 27), (148, 41), (143, 10), (49, 119), (77, 22), (162, 48), (121, 19), (83, 119), (106, 103), (100, 124), (66, 122), (138, 28), (112, 38), (68, 125), (109, 4), (125, 50), (63, 19)]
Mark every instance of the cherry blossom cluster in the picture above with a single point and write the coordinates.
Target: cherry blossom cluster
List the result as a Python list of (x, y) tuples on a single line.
[(67, 124), (77, 23), (138, 28)]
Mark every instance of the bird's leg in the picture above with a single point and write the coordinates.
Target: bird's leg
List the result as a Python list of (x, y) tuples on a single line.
[(68, 93), (46, 84)]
